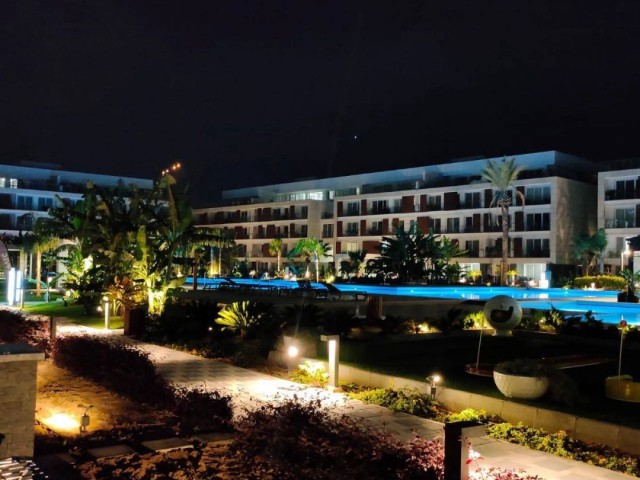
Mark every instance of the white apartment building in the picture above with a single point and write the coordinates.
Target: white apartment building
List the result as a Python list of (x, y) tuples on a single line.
[(619, 211), (28, 191), (354, 212)]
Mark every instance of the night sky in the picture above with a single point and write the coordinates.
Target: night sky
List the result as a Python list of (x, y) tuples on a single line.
[(256, 92)]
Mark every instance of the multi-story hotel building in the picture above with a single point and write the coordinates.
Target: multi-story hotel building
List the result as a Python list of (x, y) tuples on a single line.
[(619, 211), (354, 212), (28, 191)]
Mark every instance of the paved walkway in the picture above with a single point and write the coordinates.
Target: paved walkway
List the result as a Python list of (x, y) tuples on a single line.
[(248, 388)]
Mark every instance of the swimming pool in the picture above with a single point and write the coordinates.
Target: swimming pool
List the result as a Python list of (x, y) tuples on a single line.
[(602, 303)]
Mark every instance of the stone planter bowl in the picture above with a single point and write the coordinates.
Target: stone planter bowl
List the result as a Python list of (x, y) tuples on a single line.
[(516, 386)]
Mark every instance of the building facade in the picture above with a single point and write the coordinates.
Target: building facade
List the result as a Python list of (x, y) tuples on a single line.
[(354, 212), (619, 212), (27, 192)]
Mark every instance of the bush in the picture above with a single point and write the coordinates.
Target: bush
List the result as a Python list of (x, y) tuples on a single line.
[(293, 440), (118, 366), (185, 322), (33, 330), (454, 320), (402, 400), (200, 409), (562, 445), (608, 282), (310, 373)]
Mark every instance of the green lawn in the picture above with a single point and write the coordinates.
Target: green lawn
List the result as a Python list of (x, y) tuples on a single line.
[(74, 313)]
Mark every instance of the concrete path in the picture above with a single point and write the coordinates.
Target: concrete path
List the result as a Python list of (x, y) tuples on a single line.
[(248, 388)]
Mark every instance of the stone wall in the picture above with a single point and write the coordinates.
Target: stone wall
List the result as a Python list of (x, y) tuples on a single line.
[(18, 369)]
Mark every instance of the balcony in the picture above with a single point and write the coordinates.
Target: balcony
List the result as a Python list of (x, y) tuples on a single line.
[(537, 201), (537, 253), (621, 195), (350, 233), (351, 213), (374, 231), (619, 223)]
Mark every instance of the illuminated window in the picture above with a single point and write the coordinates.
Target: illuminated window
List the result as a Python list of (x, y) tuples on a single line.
[(13, 183), (351, 247)]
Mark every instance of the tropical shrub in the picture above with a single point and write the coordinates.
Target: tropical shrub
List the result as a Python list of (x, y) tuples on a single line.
[(249, 319), (452, 321), (608, 282), (310, 373), (399, 400), (185, 322)]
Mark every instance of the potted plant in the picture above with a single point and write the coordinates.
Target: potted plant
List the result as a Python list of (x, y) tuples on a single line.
[(631, 278), (522, 378)]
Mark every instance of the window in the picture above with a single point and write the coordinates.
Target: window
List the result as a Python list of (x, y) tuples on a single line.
[(537, 247), (538, 195), (47, 203), (375, 229), (244, 216), (351, 247), (25, 222), (473, 248), (379, 206), (352, 229), (472, 200), (327, 230), (453, 225), (24, 203), (13, 183), (625, 218), (435, 225), (434, 202), (304, 230), (353, 208), (625, 189), (3, 182), (537, 221)]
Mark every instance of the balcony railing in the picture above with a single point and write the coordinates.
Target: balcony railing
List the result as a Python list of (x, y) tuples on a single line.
[(619, 223)]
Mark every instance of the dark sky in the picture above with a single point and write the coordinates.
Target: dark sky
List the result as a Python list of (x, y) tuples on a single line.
[(256, 92)]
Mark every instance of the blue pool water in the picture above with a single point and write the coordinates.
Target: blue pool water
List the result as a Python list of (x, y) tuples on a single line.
[(603, 304)]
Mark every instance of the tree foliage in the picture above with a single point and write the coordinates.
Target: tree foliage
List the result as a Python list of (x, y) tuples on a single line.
[(412, 255), (502, 176)]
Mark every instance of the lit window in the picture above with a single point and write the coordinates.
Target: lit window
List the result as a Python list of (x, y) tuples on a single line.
[(13, 183)]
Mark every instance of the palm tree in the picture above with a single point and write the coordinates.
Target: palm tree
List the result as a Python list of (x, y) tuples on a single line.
[(502, 175), (275, 249), (589, 250), (354, 264), (311, 249)]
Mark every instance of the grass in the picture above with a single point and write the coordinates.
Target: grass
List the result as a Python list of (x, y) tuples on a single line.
[(75, 313)]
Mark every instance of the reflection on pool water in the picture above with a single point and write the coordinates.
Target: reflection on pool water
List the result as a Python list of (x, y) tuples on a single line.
[(603, 304)]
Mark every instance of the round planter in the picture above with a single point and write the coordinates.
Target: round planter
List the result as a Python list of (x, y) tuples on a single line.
[(515, 386)]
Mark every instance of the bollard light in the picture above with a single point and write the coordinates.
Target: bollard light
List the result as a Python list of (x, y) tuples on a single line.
[(292, 351), (333, 351), (105, 308), (85, 419), (433, 381)]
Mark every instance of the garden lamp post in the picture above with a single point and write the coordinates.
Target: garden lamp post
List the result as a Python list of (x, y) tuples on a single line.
[(105, 307), (333, 350), (433, 381)]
